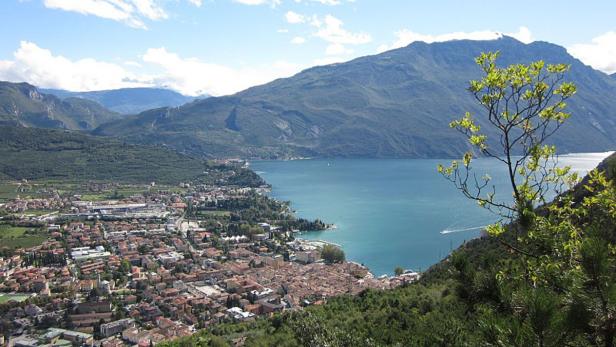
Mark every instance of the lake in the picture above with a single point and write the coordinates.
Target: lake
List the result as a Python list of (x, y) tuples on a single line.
[(389, 212)]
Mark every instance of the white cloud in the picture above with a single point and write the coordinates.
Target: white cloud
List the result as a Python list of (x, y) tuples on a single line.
[(272, 3), (330, 29), (130, 12), (294, 17), (193, 76), (190, 76), (149, 9), (298, 40), (405, 37), (337, 49), (600, 53), (40, 67), (327, 2), (119, 10), (523, 35)]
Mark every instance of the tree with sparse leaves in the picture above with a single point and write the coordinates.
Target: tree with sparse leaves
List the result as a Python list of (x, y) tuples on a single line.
[(559, 288), (524, 105)]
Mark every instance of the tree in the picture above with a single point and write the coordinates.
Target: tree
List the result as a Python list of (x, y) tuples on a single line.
[(332, 254), (398, 271), (524, 105), (560, 283)]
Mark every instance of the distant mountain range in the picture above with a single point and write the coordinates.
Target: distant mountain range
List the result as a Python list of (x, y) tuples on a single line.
[(394, 104), (23, 104), (129, 100)]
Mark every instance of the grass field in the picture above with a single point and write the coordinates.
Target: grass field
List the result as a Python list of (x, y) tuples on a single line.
[(39, 212), (8, 231), (214, 213), (7, 191), (17, 237), (15, 297)]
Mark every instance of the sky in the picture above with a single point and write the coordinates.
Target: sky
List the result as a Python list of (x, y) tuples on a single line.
[(220, 47)]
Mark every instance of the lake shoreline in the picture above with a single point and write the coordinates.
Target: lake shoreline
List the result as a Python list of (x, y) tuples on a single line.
[(387, 215)]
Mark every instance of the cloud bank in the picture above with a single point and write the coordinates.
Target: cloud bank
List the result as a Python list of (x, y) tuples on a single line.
[(405, 37), (189, 76), (600, 53)]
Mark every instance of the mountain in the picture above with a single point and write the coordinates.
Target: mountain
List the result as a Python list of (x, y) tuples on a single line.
[(394, 104), (24, 104), (51, 154), (128, 100)]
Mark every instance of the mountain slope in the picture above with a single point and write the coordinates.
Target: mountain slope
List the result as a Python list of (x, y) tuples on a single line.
[(128, 100), (395, 104), (23, 104), (33, 153)]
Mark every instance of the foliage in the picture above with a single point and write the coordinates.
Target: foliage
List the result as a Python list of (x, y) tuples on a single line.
[(31, 153), (525, 106), (23, 104), (559, 288), (14, 237), (332, 254)]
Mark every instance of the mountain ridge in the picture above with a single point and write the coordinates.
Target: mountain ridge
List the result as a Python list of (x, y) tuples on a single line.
[(394, 104), (23, 104), (129, 100)]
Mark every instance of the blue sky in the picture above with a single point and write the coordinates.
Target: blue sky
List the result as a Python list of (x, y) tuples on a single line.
[(223, 46)]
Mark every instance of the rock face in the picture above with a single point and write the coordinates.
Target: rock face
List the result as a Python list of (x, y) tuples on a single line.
[(394, 104), (23, 104)]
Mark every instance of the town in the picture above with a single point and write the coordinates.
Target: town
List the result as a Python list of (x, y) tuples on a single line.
[(118, 267)]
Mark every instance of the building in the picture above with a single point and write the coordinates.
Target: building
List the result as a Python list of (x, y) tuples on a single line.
[(116, 327), (86, 253), (307, 257), (238, 314)]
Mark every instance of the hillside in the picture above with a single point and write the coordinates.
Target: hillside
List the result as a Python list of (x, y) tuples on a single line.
[(44, 154), (394, 104), (458, 302), (23, 104), (128, 100)]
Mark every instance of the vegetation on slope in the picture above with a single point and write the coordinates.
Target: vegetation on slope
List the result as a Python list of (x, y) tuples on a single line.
[(23, 104), (392, 104), (45, 154)]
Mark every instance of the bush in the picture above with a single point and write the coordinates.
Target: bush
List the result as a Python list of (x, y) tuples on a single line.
[(332, 254)]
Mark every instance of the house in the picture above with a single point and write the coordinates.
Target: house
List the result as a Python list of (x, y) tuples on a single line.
[(307, 257), (116, 327)]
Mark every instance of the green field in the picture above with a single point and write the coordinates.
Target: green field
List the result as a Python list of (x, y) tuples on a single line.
[(14, 297), (7, 191), (39, 212), (13, 237), (214, 213)]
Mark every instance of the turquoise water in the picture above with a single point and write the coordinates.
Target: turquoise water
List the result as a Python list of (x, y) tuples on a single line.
[(388, 213)]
